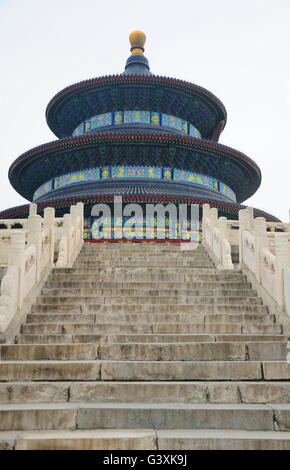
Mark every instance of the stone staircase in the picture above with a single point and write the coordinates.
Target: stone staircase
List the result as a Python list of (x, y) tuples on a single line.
[(146, 346)]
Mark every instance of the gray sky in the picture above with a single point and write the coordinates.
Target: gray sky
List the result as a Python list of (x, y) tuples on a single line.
[(237, 49)]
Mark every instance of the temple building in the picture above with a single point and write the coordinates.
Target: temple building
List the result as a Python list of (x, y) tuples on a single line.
[(147, 138)]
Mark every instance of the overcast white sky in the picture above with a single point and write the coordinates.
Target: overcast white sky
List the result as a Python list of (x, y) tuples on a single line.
[(238, 49)]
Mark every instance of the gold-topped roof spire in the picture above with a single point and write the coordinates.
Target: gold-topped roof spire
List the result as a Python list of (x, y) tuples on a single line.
[(137, 40)]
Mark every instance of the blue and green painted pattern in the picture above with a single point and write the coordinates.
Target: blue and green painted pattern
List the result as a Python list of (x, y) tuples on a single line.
[(137, 117), (127, 172)]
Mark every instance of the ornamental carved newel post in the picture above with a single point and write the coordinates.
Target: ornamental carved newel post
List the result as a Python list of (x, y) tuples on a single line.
[(32, 209), (74, 216), (80, 206), (281, 248), (222, 226), (49, 213), (67, 225), (213, 213), (261, 241), (251, 218), (34, 238), (16, 257), (205, 214), (244, 224)]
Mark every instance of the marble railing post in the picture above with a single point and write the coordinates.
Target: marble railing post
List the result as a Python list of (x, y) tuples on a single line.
[(80, 207), (49, 213), (244, 224), (16, 257), (261, 241), (34, 237), (205, 214), (67, 224), (281, 245), (32, 209)]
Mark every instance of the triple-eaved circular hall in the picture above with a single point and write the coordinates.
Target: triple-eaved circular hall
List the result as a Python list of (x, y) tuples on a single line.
[(147, 138)]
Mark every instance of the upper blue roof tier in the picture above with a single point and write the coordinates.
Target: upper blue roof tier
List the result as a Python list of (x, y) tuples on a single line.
[(148, 92)]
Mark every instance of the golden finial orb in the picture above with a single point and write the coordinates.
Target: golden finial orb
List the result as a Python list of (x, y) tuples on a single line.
[(137, 40)]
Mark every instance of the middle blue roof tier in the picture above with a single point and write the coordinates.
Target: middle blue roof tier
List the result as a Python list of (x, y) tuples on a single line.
[(139, 148)]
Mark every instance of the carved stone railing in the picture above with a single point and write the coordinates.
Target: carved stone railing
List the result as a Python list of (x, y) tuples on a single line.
[(263, 248), (28, 254), (71, 236), (216, 238)]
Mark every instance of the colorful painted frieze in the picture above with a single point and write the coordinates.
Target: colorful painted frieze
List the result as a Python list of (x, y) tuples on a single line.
[(43, 189), (194, 132), (136, 172), (227, 191), (118, 117), (155, 118), (141, 117), (89, 174)]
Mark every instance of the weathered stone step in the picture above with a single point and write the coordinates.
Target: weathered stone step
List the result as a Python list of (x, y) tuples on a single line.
[(142, 263), (159, 270), (145, 277), (211, 351), (49, 371), (134, 351), (140, 328), (157, 292), (45, 352), (262, 329), (104, 439), (142, 416), (97, 338), (134, 439), (211, 439), (143, 317), (143, 371), (185, 416), (198, 370), (143, 338), (179, 299), (60, 318), (118, 286), (147, 392), (138, 257), (118, 308)]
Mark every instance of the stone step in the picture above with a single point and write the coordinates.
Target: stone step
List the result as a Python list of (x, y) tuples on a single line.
[(51, 371), (134, 351), (157, 292), (143, 317), (89, 416), (212, 439), (118, 286), (147, 392), (182, 416), (123, 270), (262, 329), (198, 370), (148, 299), (127, 256), (143, 263), (144, 277), (202, 351), (45, 352), (104, 439), (143, 338), (118, 308), (60, 318), (135, 439), (127, 328)]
